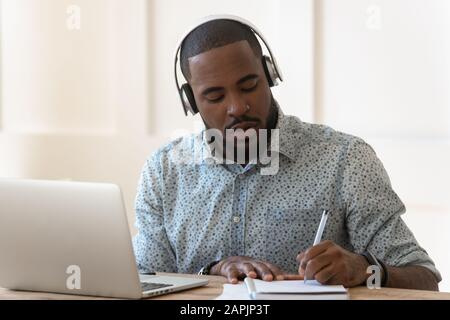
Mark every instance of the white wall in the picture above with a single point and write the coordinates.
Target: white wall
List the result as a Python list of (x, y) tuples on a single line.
[(92, 103), (383, 74), (74, 102), (287, 25)]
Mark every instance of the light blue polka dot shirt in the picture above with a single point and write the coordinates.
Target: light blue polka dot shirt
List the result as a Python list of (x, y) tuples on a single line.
[(190, 213)]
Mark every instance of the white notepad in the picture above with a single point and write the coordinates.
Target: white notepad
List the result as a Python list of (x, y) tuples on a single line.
[(293, 289)]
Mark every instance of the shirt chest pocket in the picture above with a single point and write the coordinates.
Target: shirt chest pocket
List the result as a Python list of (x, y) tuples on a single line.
[(289, 231)]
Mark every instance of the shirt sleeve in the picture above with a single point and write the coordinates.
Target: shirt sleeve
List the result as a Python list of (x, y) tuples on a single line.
[(151, 245), (374, 212)]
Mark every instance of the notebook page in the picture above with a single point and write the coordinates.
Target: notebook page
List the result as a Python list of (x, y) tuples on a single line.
[(296, 286)]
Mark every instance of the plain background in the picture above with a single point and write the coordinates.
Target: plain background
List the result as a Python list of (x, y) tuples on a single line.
[(87, 89)]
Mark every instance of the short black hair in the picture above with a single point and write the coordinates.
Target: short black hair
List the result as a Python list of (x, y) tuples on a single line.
[(215, 34)]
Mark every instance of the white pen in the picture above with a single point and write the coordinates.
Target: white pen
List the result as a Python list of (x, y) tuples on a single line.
[(250, 287), (319, 233)]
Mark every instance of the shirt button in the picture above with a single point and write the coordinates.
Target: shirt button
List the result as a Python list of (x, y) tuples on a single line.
[(236, 219)]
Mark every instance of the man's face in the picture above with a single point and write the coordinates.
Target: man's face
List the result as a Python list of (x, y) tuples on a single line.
[(225, 81)]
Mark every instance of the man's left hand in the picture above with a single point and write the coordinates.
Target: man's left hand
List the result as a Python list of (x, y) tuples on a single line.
[(331, 264)]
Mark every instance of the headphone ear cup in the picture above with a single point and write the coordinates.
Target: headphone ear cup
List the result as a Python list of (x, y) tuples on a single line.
[(187, 97), (269, 70)]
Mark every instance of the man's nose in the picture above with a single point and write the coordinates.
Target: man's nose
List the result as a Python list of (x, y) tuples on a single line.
[(237, 107)]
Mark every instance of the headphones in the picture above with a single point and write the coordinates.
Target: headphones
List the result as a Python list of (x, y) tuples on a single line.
[(271, 69)]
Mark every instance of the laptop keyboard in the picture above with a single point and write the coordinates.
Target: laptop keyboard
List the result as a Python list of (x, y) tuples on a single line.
[(147, 286)]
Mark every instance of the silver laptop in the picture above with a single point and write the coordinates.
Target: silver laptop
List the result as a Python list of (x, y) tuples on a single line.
[(72, 238)]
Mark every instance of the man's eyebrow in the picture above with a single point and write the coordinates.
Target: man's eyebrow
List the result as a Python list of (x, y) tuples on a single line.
[(247, 77), (211, 89)]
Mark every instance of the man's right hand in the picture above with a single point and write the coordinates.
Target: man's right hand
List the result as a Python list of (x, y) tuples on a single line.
[(238, 267)]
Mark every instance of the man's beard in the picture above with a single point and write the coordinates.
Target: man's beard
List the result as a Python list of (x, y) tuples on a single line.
[(247, 150)]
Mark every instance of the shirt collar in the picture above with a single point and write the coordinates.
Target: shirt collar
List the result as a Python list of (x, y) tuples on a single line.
[(285, 147)]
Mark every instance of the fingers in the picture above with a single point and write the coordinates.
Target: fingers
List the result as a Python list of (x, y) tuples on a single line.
[(330, 264), (312, 252), (292, 277), (263, 271), (301, 271), (326, 275), (277, 272), (315, 265), (300, 256), (237, 268), (232, 273), (248, 269)]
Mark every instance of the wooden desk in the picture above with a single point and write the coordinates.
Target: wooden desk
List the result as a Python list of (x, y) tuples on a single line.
[(214, 289)]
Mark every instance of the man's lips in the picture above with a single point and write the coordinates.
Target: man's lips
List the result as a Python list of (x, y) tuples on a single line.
[(245, 125), (241, 130)]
